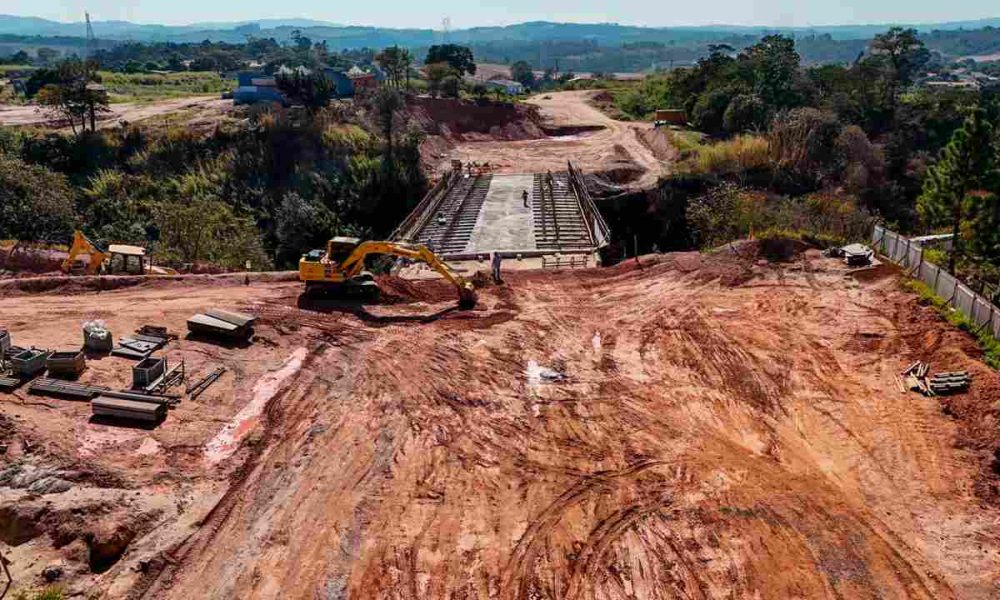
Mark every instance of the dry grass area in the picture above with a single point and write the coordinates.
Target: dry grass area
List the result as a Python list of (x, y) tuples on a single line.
[(705, 426)]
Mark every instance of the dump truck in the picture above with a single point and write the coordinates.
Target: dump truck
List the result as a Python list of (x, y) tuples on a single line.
[(339, 270)]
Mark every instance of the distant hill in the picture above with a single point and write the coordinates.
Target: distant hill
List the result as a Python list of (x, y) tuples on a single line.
[(343, 36), (605, 47)]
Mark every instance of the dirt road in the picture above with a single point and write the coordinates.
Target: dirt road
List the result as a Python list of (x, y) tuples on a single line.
[(203, 106), (593, 141)]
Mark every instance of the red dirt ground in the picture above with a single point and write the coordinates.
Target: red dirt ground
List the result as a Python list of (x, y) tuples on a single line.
[(693, 427), (596, 144)]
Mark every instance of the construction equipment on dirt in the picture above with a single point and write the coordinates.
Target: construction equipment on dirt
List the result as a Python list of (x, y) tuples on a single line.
[(340, 269), (83, 245), (63, 389), (117, 258), (155, 331), (4, 342), (119, 408), (28, 363), (941, 384), (217, 322), (171, 377), (203, 384), (147, 371), (97, 337), (68, 363)]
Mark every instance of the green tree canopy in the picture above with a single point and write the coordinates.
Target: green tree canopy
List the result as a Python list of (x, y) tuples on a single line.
[(963, 173), (458, 57), (522, 73), (35, 203)]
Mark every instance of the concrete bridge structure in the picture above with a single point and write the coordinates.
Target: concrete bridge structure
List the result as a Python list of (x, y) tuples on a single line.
[(468, 217)]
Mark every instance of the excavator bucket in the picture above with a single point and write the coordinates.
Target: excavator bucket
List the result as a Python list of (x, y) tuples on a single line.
[(467, 297)]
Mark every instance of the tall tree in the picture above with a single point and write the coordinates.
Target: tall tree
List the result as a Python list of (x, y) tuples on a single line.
[(386, 103), (74, 94), (522, 73), (310, 89), (904, 54), (774, 69), (458, 57), (396, 62), (966, 165)]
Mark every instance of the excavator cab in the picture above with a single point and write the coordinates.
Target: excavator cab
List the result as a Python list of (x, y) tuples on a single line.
[(339, 270)]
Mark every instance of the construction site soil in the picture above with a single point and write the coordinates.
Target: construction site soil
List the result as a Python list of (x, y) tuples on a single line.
[(697, 426), (545, 132)]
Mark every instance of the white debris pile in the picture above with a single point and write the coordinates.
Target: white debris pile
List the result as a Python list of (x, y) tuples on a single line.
[(96, 335)]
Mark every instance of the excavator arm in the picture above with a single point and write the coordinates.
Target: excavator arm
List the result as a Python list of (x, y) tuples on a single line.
[(83, 245), (355, 263)]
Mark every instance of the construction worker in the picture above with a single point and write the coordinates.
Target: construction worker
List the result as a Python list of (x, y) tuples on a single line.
[(524, 196), (495, 263)]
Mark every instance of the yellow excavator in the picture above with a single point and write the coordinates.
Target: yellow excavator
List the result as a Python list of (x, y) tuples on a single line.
[(340, 269), (83, 245)]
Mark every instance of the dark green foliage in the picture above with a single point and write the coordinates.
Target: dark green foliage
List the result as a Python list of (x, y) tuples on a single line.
[(708, 113), (746, 112), (458, 57), (961, 181), (241, 180), (396, 62), (35, 203), (522, 73), (314, 90)]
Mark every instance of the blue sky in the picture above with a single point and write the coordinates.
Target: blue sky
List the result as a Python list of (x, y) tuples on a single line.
[(468, 13)]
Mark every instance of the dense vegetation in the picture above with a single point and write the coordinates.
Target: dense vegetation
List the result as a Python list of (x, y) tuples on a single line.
[(920, 158), (264, 191), (604, 47)]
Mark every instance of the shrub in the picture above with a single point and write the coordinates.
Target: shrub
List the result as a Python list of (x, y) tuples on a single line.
[(746, 112), (735, 156), (35, 203), (729, 212), (802, 144)]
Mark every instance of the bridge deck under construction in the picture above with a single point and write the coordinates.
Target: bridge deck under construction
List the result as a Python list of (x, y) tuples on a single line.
[(469, 216)]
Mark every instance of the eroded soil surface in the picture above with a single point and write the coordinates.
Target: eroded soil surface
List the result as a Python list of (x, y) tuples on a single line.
[(699, 427), (579, 133)]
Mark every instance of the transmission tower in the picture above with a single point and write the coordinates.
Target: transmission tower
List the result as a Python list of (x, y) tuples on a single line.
[(91, 39), (445, 29)]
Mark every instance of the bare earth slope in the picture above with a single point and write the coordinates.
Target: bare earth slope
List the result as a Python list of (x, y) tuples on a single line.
[(609, 145), (202, 106), (693, 429)]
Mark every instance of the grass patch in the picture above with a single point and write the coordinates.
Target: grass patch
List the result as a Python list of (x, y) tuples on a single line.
[(989, 344), (737, 155), (46, 594), (149, 87), (687, 142)]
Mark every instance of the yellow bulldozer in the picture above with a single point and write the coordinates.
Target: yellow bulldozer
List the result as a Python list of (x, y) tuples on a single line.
[(339, 270)]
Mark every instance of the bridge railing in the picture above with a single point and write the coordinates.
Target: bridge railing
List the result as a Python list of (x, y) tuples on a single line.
[(597, 227), (418, 217)]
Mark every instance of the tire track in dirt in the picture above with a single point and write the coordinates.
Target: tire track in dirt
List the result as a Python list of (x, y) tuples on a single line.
[(526, 548)]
